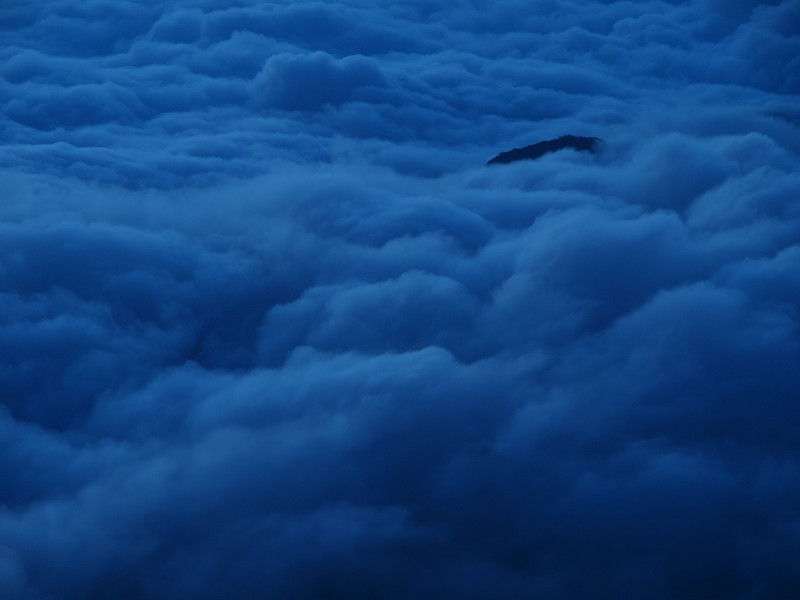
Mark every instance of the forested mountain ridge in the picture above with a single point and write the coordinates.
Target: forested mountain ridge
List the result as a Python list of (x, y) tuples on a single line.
[(539, 149)]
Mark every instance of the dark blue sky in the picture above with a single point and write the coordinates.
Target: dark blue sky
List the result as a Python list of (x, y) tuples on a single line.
[(269, 328)]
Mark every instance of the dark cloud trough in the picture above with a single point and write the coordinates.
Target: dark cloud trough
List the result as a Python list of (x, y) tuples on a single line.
[(271, 329)]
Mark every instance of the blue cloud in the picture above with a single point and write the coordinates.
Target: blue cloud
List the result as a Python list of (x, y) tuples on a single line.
[(310, 82), (270, 328)]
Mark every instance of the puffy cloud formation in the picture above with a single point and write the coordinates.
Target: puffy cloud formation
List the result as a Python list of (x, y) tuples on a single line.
[(270, 328), (312, 81)]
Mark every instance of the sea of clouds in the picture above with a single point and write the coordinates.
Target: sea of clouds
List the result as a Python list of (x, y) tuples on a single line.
[(269, 328)]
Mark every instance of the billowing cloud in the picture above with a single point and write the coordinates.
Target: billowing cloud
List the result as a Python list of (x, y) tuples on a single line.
[(312, 81), (270, 328)]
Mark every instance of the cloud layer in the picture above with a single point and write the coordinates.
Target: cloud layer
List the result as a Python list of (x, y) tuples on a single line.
[(270, 328)]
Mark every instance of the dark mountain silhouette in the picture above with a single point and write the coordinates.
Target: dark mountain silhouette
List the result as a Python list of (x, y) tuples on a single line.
[(533, 151)]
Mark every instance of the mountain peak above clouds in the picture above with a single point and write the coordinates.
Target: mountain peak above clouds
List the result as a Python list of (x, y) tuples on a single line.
[(534, 151)]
